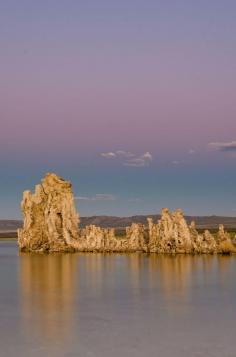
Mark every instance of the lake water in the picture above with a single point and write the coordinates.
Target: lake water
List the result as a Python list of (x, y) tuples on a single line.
[(114, 305)]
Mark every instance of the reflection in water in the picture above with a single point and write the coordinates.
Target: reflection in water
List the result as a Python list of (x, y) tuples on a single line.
[(176, 272), (81, 299), (47, 287)]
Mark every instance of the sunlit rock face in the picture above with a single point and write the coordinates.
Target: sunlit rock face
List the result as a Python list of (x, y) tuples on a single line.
[(50, 217), (171, 234), (222, 236), (224, 241), (51, 224), (207, 243), (97, 239)]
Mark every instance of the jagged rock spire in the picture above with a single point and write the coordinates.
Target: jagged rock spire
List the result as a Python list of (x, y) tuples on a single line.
[(50, 217)]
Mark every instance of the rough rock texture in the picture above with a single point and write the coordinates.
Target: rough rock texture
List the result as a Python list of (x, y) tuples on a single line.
[(171, 234), (50, 217), (51, 224), (97, 239), (224, 242)]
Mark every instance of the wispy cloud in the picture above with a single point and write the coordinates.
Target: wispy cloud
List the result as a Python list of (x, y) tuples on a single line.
[(97, 197), (108, 155), (135, 200), (118, 153), (137, 162), (123, 153), (129, 158), (191, 151), (176, 162), (224, 146), (147, 156), (140, 161)]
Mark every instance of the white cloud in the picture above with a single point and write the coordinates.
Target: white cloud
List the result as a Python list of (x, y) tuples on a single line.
[(224, 146), (176, 162), (130, 158), (147, 156), (108, 155), (97, 197), (140, 161), (118, 153), (191, 151), (124, 153)]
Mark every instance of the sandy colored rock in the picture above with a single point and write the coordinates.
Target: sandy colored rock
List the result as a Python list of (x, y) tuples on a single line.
[(50, 217), (222, 235), (224, 241), (51, 224), (96, 239), (171, 234)]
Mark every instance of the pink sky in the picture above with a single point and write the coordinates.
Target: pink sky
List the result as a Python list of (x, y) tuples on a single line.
[(79, 79)]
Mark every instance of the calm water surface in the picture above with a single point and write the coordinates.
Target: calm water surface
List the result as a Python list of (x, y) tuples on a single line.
[(116, 305)]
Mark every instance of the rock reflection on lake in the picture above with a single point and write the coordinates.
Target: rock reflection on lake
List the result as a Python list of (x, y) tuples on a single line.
[(47, 294), (116, 305)]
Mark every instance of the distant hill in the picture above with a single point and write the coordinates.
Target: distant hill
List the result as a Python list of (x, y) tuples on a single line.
[(202, 222), (9, 227)]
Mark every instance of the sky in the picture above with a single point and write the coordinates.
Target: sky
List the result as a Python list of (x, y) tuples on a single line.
[(133, 101)]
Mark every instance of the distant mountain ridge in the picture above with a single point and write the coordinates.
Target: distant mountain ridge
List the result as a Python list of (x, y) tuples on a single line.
[(9, 225), (202, 222)]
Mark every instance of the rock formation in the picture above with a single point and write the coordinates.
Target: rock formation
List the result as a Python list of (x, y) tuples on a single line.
[(51, 224), (225, 243), (50, 217), (96, 239), (171, 234)]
